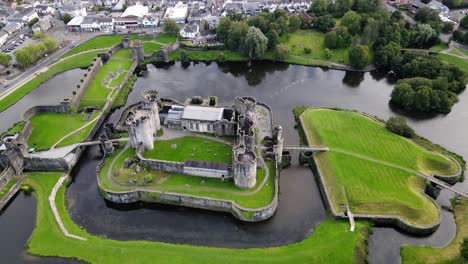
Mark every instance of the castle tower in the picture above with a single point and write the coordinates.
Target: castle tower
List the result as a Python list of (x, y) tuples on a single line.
[(140, 131), (126, 42), (137, 50), (244, 166)]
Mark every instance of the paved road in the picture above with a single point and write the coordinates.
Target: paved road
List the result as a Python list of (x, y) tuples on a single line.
[(43, 63)]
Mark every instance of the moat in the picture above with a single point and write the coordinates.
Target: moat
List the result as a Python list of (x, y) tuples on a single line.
[(300, 208)]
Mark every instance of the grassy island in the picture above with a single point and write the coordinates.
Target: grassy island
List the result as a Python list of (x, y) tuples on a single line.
[(372, 169), (48, 240), (447, 254), (190, 148), (114, 176)]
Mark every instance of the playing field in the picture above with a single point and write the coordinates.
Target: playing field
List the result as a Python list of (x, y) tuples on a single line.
[(374, 168)]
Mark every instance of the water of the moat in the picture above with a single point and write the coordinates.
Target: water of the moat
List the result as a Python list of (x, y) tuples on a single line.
[(281, 86)]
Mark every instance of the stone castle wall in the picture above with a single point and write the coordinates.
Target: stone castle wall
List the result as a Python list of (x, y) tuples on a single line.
[(84, 83)]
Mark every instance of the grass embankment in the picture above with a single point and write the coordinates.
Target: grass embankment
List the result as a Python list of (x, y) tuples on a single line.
[(7, 187), (194, 185), (190, 148), (439, 47), (109, 76), (48, 128), (447, 254), (315, 41), (99, 42), (150, 47), (461, 63), (330, 242), (366, 159), (16, 128), (125, 89), (78, 61)]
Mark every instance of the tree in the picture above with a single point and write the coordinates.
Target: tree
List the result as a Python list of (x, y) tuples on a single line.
[(359, 56), (66, 18), (366, 6), (464, 22), (320, 7), (295, 23), (330, 40), (464, 249), (324, 23), (124, 6), (327, 53), (423, 35), (447, 27), (184, 57), (281, 52), (237, 34), (343, 38), (343, 6), (50, 44), (23, 57), (429, 16), (5, 59), (387, 56), (352, 21), (398, 126), (33, 21), (39, 35), (273, 39), (255, 43), (457, 35), (259, 22), (223, 28), (170, 26)]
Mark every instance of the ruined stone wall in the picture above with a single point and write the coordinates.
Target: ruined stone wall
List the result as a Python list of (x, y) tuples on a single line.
[(218, 174), (84, 83), (6, 175), (225, 128), (41, 164), (163, 165)]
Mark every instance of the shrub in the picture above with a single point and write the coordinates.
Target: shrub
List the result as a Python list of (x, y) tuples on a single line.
[(184, 56), (359, 56), (398, 126), (281, 52), (221, 57), (307, 50), (464, 249), (327, 53), (330, 40)]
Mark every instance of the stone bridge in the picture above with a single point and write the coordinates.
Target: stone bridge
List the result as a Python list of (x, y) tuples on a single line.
[(307, 148), (64, 151)]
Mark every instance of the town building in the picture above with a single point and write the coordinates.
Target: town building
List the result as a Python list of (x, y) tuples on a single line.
[(190, 31), (74, 25), (178, 13), (11, 28), (135, 11), (44, 24), (150, 21), (44, 10), (3, 37)]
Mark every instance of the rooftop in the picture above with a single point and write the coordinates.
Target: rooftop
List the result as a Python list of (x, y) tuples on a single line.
[(135, 11), (202, 113)]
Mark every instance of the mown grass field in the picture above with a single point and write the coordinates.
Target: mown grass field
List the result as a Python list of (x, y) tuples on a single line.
[(48, 128), (330, 242), (99, 42), (193, 185), (372, 186), (190, 148), (100, 87), (462, 63), (16, 128), (447, 254), (7, 187), (150, 47), (209, 55), (79, 61), (313, 40)]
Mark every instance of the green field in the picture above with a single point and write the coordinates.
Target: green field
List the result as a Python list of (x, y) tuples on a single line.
[(79, 61), (16, 128), (48, 128), (47, 240), (376, 167), (313, 40), (190, 148), (447, 254), (150, 47), (214, 188), (209, 55), (99, 42), (462, 63), (439, 47), (100, 87), (166, 38), (122, 54)]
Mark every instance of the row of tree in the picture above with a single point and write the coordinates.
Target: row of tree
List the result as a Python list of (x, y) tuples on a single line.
[(33, 52), (5, 59)]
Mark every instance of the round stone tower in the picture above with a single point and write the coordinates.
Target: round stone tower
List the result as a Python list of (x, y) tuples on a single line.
[(245, 105), (140, 131), (244, 166)]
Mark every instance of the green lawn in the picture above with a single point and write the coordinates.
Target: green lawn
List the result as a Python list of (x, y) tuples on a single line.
[(313, 40), (150, 47), (16, 128), (122, 54), (373, 187), (447, 254), (97, 92), (331, 241), (48, 128), (7, 187), (166, 38), (439, 47), (190, 148), (209, 55), (178, 183), (79, 61), (462, 63), (99, 42)]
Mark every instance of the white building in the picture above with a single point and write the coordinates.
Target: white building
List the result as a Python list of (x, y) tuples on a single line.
[(74, 25), (11, 28), (150, 21), (200, 118), (89, 24), (3, 37), (135, 11), (190, 31), (178, 13), (44, 9)]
